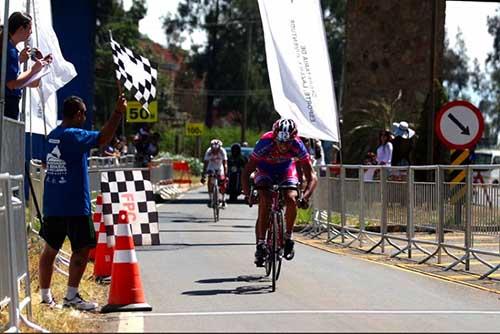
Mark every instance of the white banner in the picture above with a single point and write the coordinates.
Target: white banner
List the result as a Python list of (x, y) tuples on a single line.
[(299, 66), (61, 71)]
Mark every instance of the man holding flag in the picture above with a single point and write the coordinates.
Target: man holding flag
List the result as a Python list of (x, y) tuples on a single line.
[(67, 209)]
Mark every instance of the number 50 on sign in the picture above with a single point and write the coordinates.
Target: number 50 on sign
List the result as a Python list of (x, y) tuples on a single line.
[(136, 114)]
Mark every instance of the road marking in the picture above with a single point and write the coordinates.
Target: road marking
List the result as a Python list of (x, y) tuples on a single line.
[(315, 312), (127, 324)]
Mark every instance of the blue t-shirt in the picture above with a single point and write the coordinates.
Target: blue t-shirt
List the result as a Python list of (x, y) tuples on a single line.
[(67, 180), (13, 69)]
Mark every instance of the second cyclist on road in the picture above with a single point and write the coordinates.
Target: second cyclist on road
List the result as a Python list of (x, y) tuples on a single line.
[(215, 163)]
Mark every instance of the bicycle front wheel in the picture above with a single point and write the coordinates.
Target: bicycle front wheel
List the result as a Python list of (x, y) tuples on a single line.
[(215, 201), (275, 258), (280, 232)]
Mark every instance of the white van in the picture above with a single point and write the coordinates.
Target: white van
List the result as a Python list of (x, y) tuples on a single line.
[(488, 157)]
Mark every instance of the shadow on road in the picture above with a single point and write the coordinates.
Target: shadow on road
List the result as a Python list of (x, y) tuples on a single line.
[(243, 278), (242, 290), (204, 231), (189, 201), (173, 246)]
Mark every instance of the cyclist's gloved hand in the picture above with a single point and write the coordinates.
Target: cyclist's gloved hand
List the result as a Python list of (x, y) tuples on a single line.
[(303, 203)]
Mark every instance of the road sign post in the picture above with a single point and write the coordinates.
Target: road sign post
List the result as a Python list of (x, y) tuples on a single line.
[(459, 126), (136, 114)]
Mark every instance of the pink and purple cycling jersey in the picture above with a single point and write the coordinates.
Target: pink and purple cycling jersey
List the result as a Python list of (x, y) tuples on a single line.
[(274, 166)]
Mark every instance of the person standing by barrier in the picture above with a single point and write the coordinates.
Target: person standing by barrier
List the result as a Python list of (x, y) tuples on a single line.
[(19, 30), (66, 200), (384, 148)]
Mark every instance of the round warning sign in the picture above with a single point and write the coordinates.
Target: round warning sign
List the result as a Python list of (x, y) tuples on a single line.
[(459, 125)]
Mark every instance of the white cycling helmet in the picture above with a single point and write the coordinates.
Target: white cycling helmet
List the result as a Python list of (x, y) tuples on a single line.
[(215, 143)]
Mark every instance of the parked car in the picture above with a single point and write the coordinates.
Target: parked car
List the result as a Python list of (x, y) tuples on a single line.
[(487, 157)]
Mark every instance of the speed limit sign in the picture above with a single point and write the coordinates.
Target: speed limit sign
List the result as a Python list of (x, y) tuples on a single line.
[(136, 114)]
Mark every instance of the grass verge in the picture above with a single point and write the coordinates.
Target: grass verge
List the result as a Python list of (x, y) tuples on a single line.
[(62, 319)]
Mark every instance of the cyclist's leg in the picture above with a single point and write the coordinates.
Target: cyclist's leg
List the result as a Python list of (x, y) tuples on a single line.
[(209, 189), (289, 178), (290, 211), (263, 217)]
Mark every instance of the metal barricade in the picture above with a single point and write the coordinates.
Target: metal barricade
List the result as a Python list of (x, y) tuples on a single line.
[(12, 146), (419, 211), (17, 292)]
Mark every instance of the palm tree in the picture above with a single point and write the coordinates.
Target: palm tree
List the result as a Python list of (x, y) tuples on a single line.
[(366, 124)]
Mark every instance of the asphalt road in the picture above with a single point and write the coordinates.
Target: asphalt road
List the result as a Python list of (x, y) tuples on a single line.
[(202, 279)]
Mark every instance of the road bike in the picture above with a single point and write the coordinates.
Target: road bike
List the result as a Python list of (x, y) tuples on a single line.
[(275, 235)]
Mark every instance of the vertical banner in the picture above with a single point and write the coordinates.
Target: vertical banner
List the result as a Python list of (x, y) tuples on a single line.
[(299, 66), (41, 108)]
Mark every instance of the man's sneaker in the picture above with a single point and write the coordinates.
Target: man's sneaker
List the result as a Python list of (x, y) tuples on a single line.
[(289, 252), (78, 303), (260, 255), (52, 303)]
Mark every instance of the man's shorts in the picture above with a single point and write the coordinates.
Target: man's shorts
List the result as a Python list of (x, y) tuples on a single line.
[(286, 177), (79, 230)]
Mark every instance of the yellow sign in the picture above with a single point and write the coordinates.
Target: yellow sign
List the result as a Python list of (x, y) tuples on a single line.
[(136, 114), (194, 129)]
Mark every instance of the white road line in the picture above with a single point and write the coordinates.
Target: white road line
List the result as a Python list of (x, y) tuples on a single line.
[(128, 324), (353, 312)]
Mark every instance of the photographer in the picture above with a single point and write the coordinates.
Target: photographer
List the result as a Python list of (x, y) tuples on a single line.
[(19, 30)]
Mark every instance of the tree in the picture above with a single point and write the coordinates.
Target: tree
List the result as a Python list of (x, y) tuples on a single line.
[(124, 26), (455, 67), (229, 24), (364, 132)]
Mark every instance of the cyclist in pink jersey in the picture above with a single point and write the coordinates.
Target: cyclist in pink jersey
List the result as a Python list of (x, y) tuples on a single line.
[(274, 158)]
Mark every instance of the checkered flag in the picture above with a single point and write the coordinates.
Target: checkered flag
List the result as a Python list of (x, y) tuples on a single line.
[(135, 72)]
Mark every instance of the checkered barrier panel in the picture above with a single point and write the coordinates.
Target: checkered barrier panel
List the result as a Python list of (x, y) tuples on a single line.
[(131, 191)]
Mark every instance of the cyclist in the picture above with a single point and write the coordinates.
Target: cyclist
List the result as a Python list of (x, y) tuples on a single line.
[(215, 162), (275, 157)]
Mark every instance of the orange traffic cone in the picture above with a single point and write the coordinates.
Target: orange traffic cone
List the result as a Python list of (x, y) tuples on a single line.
[(96, 218), (126, 293), (103, 257)]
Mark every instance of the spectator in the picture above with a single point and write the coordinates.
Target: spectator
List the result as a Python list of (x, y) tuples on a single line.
[(384, 149), (66, 199), (122, 146), (403, 145), (370, 159), (19, 30), (141, 141)]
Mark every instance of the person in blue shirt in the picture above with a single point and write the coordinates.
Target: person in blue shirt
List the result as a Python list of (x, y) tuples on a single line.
[(66, 198), (19, 30)]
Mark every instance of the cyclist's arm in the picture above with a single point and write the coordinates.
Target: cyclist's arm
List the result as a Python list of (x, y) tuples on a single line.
[(245, 176), (311, 178), (205, 164)]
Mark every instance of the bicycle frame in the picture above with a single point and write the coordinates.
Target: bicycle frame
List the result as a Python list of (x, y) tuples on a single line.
[(214, 179)]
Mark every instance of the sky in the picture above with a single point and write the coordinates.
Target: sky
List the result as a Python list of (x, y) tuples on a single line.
[(470, 16)]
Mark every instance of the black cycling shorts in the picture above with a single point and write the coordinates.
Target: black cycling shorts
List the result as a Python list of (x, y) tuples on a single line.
[(79, 229)]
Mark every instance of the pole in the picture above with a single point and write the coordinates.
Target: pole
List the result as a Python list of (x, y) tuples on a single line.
[(432, 87), (2, 78), (247, 77)]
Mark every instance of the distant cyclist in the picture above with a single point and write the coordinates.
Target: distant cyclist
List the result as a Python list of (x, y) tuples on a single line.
[(215, 162), (275, 157)]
